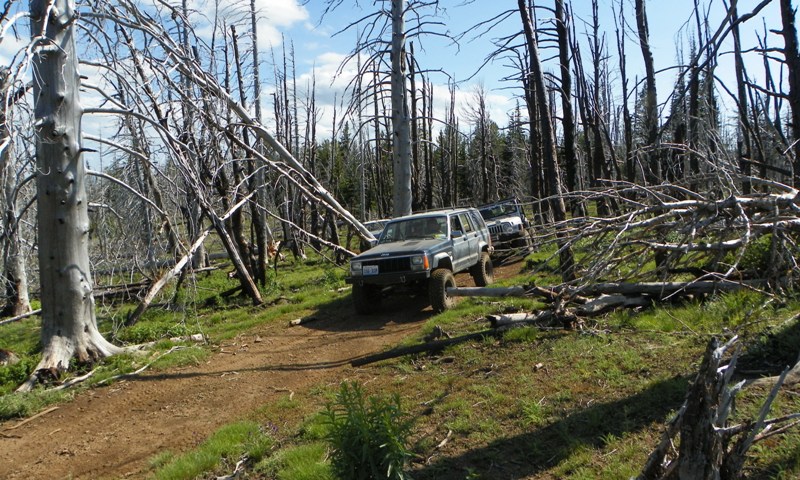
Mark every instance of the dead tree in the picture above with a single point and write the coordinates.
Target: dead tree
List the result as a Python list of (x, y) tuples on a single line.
[(710, 447), (630, 166), (744, 149), (568, 118), (791, 53), (553, 182), (69, 326), (650, 104), (15, 274)]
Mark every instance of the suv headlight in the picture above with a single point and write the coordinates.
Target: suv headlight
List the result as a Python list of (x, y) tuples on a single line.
[(419, 262), (508, 228), (355, 268)]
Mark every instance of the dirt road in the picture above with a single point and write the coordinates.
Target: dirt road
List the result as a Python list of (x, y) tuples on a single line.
[(111, 432)]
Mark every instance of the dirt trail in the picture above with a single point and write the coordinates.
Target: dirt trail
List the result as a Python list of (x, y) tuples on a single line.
[(112, 432)]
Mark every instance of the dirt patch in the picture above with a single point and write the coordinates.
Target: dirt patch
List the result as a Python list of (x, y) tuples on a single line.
[(113, 431)]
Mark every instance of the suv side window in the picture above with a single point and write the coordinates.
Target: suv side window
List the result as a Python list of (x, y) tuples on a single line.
[(455, 224), (465, 222), (477, 220)]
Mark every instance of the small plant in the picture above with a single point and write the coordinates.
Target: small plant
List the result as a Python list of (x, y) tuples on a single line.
[(369, 436)]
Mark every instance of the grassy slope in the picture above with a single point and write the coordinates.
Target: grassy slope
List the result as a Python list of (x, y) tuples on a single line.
[(536, 404)]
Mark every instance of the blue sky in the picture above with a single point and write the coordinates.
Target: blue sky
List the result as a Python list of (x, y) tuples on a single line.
[(315, 46)]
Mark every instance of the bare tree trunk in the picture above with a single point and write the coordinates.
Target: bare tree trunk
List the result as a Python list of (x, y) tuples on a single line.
[(568, 118), (744, 150), (416, 177), (792, 56), (263, 234), (630, 167), (15, 275), (427, 108), (236, 222), (552, 180), (598, 154), (401, 138), (69, 326), (653, 171)]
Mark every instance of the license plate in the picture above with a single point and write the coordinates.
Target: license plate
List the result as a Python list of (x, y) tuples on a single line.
[(370, 269)]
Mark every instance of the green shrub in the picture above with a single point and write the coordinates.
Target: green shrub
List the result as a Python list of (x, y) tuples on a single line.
[(757, 256), (12, 376), (369, 436)]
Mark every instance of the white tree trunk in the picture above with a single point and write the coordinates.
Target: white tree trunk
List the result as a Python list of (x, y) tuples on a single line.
[(15, 274), (69, 327), (401, 135)]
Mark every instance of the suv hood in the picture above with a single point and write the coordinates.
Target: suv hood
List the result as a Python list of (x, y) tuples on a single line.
[(513, 219), (405, 247)]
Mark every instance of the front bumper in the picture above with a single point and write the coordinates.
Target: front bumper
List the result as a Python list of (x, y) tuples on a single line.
[(386, 279)]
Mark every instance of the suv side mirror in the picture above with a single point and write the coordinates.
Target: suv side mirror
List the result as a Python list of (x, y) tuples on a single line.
[(457, 234)]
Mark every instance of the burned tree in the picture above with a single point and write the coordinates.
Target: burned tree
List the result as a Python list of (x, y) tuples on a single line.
[(551, 174), (791, 53), (69, 327)]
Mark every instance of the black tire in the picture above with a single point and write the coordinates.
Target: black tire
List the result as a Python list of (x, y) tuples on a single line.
[(483, 271), (524, 242), (366, 298), (441, 279)]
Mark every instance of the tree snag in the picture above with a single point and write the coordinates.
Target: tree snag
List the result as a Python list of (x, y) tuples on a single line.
[(69, 326)]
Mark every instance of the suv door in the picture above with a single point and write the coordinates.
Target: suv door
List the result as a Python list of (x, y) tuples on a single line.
[(461, 245), (480, 226), (472, 237)]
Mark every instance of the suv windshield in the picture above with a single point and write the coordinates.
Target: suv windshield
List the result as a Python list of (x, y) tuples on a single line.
[(415, 228), (500, 210)]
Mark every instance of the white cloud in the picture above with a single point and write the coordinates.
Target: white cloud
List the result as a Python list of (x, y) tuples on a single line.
[(273, 16), (282, 13)]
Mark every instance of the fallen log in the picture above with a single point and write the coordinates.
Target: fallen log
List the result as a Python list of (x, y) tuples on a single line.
[(549, 294), (302, 321), (512, 318), (487, 292), (20, 317), (604, 303), (662, 290), (507, 321)]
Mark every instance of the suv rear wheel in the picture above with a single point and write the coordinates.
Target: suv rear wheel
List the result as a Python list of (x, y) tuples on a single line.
[(366, 298), (441, 279), (483, 271)]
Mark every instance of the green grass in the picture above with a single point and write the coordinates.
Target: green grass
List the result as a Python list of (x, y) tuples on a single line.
[(21, 405), (223, 448), (302, 462), (535, 403)]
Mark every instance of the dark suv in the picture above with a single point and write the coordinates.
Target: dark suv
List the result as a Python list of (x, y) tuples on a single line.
[(422, 252)]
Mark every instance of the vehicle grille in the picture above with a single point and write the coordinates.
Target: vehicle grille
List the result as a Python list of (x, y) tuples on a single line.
[(496, 229), (389, 265)]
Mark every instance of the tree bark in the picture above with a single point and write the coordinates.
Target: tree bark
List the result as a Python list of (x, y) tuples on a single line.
[(744, 150), (401, 138), (15, 273), (630, 166), (69, 327), (553, 182), (568, 118), (653, 172), (792, 56)]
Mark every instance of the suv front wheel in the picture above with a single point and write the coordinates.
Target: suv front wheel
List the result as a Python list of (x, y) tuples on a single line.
[(483, 271), (441, 279)]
